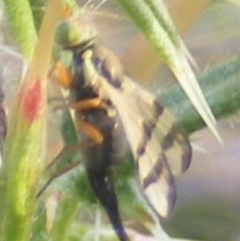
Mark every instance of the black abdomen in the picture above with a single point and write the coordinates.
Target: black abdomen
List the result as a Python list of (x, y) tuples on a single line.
[(100, 158)]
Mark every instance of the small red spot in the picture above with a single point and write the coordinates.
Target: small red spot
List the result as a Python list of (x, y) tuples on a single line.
[(32, 100)]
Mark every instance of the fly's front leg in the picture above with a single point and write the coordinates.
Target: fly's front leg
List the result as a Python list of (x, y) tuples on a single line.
[(60, 74)]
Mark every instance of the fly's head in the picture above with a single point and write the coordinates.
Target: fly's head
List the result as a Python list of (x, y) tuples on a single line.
[(73, 32), (75, 40)]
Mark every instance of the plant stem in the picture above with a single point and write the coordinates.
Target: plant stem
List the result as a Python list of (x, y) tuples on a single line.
[(221, 86), (21, 19)]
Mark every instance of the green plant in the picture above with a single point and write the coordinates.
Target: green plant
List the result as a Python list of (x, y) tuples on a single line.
[(23, 216)]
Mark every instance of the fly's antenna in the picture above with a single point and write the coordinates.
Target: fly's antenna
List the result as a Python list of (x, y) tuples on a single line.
[(92, 10), (90, 6), (86, 5), (88, 10), (98, 6)]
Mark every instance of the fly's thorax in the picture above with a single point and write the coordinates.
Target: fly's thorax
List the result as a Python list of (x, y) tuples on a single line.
[(83, 75), (108, 65), (93, 66), (89, 56)]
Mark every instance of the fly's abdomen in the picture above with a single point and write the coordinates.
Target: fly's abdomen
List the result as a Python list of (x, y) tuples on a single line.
[(99, 161)]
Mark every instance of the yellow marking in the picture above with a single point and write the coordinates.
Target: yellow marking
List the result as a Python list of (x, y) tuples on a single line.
[(151, 155), (94, 103), (157, 195), (62, 75), (165, 123), (90, 130), (174, 157)]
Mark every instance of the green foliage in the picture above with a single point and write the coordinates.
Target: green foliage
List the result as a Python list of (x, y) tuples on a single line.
[(221, 85)]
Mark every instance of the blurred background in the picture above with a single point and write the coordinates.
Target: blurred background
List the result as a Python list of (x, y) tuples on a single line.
[(208, 205)]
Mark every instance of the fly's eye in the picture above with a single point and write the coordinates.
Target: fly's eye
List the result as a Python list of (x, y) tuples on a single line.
[(73, 32), (66, 35)]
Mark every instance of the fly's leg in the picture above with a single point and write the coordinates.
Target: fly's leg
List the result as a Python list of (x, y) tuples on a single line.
[(100, 181), (91, 131), (96, 138), (88, 104), (56, 175), (93, 103), (60, 74)]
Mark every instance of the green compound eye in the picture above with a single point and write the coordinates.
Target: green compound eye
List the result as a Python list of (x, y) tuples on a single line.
[(73, 32), (66, 35)]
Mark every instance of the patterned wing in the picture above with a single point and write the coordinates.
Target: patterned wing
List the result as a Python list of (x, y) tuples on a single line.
[(159, 147)]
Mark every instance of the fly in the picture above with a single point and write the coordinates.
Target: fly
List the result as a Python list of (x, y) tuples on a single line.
[(107, 103)]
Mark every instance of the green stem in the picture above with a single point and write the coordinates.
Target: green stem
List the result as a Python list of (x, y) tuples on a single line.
[(221, 86), (21, 19), (154, 25)]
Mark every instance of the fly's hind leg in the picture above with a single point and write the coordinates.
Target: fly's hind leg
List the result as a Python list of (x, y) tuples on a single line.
[(95, 137)]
